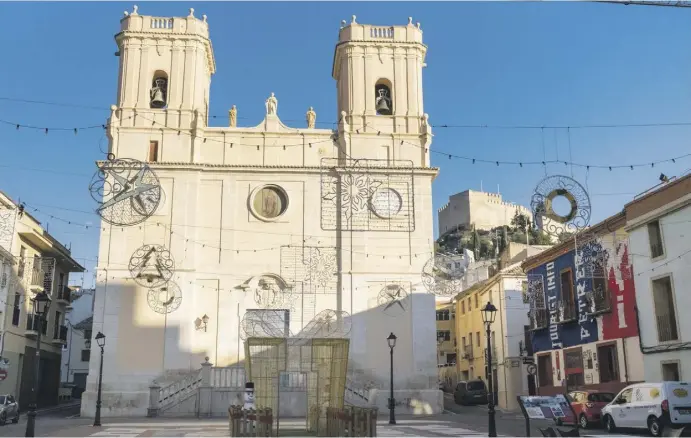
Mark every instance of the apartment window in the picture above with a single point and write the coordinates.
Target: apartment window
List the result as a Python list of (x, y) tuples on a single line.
[(443, 335), (17, 309), (670, 372), (451, 358), (655, 238), (61, 282), (608, 363), (56, 326), (462, 306), (87, 334), (442, 315), (476, 305), (153, 151), (601, 296), (20, 267), (469, 304), (544, 370), (463, 341), (665, 315), (477, 338), (86, 355), (568, 303)]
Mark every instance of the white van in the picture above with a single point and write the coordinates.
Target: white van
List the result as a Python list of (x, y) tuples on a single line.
[(651, 406)]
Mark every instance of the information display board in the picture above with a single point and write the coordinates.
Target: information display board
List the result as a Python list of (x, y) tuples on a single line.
[(545, 407)]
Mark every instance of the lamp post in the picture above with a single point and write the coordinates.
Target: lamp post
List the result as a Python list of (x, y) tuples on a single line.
[(392, 403), (489, 312), (41, 304), (101, 341)]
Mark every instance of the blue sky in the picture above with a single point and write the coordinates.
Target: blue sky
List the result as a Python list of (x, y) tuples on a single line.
[(493, 64)]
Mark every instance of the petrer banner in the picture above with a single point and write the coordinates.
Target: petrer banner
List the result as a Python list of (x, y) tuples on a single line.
[(559, 335)]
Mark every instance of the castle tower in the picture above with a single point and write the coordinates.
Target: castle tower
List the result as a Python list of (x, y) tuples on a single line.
[(165, 66)]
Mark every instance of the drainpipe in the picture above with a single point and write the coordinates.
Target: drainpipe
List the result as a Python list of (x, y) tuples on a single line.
[(626, 362)]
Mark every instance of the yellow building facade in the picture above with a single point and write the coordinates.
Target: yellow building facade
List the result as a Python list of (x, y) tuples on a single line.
[(510, 376), (447, 353)]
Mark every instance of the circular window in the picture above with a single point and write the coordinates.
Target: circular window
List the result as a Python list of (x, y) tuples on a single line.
[(269, 202)]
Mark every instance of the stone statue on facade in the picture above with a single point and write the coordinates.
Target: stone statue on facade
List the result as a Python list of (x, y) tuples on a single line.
[(271, 105), (233, 117), (311, 118)]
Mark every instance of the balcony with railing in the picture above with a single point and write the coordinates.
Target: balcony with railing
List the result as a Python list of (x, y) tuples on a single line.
[(32, 325), (467, 352), (63, 296), (667, 328), (567, 311), (37, 277), (598, 300), (60, 335), (538, 318)]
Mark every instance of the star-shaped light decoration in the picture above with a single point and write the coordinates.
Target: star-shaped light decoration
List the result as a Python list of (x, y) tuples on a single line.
[(392, 299), (127, 190)]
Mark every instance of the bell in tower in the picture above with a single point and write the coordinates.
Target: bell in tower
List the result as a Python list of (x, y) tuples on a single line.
[(383, 100), (158, 93)]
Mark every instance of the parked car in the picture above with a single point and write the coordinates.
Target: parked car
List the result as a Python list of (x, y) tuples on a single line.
[(9, 408), (652, 406), (587, 405), (470, 392)]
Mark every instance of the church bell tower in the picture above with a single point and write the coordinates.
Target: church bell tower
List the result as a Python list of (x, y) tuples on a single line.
[(378, 70), (165, 65)]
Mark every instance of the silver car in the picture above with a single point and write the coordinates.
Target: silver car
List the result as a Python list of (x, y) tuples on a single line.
[(9, 408)]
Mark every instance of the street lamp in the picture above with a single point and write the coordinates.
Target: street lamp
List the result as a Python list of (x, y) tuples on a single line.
[(41, 304), (101, 341), (392, 403), (489, 313)]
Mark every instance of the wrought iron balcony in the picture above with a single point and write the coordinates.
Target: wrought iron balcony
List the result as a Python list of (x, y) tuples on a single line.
[(538, 318), (64, 295), (667, 328), (60, 335), (567, 311), (599, 300), (32, 325), (468, 352), (37, 277)]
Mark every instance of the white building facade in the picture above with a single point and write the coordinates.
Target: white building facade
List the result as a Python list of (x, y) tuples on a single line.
[(77, 353), (658, 226), (269, 216)]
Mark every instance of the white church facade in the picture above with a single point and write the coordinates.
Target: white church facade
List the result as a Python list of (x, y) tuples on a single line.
[(293, 219)]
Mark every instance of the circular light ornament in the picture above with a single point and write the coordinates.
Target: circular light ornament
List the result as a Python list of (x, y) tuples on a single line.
[(552, 188), (386, 202)]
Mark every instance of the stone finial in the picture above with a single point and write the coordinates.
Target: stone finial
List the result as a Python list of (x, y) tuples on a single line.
[(126, 14), (417, 25), (113, 108), (191, 12), (343, 24), (135, 8), (410, 21), (353, 20), (206, 358), (204, 18), (343, 115)]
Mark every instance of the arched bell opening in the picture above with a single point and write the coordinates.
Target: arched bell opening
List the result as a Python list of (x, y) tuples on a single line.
[(159, 90), (383, 98)]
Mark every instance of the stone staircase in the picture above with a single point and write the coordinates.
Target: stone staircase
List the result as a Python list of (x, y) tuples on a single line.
[(174, 393), (358, 386)]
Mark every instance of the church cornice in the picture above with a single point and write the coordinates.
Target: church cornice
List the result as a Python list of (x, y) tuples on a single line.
[(172, 36), (396, 46), (272, 168)]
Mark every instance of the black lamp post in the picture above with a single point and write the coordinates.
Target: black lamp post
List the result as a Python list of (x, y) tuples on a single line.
[(489, 312), (101, 341), (392, 403), (41, 304)]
